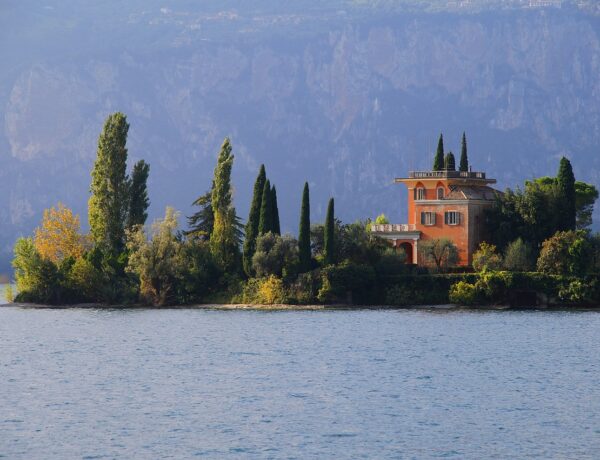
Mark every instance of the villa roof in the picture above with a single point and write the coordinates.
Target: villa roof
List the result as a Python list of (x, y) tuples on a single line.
[(472, 192)]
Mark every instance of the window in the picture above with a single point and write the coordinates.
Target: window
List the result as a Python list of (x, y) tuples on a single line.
[(428, 218), (452, 217), (419, 193), (440, 193)]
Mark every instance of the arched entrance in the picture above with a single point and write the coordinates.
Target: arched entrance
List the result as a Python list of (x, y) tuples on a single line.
[(408, 250)]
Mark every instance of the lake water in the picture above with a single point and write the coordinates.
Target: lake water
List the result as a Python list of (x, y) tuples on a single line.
[(307, 384)]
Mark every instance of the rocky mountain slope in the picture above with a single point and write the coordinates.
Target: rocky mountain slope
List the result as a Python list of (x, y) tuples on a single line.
[(347, 96)]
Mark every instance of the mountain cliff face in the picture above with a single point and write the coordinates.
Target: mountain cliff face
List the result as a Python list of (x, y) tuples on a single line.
[(345, 98)]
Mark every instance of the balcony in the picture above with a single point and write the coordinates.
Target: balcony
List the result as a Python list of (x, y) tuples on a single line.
[(446, 174), (393, 228)]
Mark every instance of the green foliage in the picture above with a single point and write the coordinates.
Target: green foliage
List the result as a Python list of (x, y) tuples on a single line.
[(253, 220), (138, 195), (579, 291), (275, 255), (275, 212), (449, 162), (265, 223), (486, 258), (224, 240), (266, 291), (438, 161), (464, 160), (463, 293), (440, 252), (585, 197), (109, 201), (157, 261), (565, 253), (381, 219), (304, 289), (347, 282), (198, 275), (518, 256), (329, 235), (304, 252), (202, 222), (566, 184)]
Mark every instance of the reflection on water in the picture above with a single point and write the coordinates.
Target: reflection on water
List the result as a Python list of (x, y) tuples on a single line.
[(310, 384)]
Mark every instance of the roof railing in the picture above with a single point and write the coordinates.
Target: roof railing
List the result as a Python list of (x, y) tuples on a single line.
[(392, 228), (446, 174)]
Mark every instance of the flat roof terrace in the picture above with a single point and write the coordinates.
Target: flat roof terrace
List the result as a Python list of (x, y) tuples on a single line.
[(477, 175)]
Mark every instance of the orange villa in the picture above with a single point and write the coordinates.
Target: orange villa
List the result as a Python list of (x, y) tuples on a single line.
[(442, 204)]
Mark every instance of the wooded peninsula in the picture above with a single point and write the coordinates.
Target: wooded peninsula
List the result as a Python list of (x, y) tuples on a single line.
[(539, 249)]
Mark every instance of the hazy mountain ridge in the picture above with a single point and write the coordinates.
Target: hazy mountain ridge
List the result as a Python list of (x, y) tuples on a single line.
[(347, 99)]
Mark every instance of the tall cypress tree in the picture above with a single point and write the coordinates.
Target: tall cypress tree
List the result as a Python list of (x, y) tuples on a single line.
[(275, 213), (438, 161), (224, 243), (304, 253), (566, 184), (464, 160), (253, 220), (329, 235), (109, 200), (265, 224), (449, 162), (138, 195)]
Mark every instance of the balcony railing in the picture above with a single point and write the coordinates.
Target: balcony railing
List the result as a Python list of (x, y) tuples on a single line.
[(446, 174), (392, 228)]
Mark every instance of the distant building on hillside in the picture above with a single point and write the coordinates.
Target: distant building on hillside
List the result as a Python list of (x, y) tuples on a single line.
[(442, 204)]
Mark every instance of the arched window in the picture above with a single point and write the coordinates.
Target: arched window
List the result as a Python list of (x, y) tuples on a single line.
[(440, 193), (419, 193)]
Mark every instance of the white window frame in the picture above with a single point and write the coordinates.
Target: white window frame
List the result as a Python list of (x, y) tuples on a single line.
[(420, 193), (455, 218), (428, 218), (440, 189)]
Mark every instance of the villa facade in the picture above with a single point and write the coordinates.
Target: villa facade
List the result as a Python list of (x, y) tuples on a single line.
[(442, 204)]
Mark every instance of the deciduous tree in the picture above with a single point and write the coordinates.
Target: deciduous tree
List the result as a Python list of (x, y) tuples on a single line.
[(59, 237)]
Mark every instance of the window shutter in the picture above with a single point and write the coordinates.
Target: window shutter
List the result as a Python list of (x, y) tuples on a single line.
[(446, 217), (414, 193), (458, 218), (433, 214), (422, 218)]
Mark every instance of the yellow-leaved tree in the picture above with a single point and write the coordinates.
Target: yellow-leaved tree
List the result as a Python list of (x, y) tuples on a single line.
[(59, 235)]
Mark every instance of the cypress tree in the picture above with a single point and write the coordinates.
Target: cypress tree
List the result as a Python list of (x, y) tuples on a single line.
[(275, 213), (464, 160), (304, 253), (438, 161), (224, 242), (329, 235), (109, 201), (253, 220), (566, 184), (138, 195), (265, 224), (449, 162)]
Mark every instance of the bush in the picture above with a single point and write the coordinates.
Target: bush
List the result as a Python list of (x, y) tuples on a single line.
[(463, 293), (565, 253), (486, 258), (518, 256), (305, 288), (441, 253), (347, 283), (577, 291), (275, 255), (268, 290)]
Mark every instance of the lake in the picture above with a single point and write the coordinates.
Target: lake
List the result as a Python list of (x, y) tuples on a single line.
[(188, 383)]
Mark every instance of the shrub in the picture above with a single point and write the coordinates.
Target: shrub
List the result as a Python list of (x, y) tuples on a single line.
[(275, 255), (305, 288), (518, 256), (565, 253), (268, 290), (463, 293), (577, 291), (486, 258), (346, 282)]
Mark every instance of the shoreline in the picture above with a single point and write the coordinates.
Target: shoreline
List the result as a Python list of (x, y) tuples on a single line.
[(291, 307)]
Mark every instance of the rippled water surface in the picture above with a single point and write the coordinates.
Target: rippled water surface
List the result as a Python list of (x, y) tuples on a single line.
[(322, 384)]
